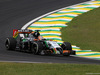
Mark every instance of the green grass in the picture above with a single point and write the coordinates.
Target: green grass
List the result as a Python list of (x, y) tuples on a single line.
[(84, 31), (47, 69)]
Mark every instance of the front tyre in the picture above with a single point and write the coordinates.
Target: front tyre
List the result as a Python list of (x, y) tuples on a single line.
[(37, 47), (66, 46), (10, 43)]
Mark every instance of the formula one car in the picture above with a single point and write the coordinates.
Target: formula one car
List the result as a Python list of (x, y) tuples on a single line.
[(32, 41)]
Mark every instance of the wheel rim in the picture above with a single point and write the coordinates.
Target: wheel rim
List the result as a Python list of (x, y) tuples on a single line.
[(34, 50)]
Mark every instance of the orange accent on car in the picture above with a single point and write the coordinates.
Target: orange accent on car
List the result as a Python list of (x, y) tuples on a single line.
[(40, 37), (32, 32), (35, 39), (66, 51), (51, 40)]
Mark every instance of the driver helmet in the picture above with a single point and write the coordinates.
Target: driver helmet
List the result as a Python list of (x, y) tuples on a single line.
[(36, 34)]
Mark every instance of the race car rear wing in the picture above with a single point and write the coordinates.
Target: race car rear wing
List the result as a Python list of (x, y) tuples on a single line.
[(16, 32)]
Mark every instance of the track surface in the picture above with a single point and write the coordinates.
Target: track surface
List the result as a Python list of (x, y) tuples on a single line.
[(15, 13)]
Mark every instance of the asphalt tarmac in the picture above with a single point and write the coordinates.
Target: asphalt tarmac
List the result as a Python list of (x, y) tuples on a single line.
[(16, 13)]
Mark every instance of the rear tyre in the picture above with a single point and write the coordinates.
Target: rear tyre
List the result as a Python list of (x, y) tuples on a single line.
[(10, 43), (37, 47), (66, 46)]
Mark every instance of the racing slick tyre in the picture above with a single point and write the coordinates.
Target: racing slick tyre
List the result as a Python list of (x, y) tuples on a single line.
[(10, 43), (37, 47), (66, 46)]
